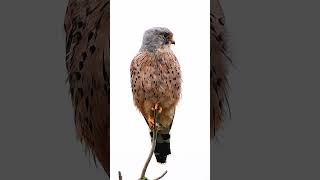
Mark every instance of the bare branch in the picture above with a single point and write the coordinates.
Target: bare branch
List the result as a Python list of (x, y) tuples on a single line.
[(161, 175), (154, 141)]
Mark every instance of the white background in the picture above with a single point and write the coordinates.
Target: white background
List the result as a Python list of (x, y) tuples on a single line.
[(130, 140)]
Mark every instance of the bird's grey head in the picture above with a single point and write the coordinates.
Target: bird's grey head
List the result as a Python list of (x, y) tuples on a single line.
[(157, 37)]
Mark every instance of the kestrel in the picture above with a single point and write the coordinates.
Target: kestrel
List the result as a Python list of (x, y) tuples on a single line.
[(86, 25), (219, 62), (156, 85)]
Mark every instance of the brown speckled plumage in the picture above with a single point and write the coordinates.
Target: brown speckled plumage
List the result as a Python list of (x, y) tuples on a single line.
[(87, 62), (219, 61), (156, 78)]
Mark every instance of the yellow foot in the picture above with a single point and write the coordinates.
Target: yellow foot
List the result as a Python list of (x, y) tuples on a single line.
[(157, 108), (150, 121)]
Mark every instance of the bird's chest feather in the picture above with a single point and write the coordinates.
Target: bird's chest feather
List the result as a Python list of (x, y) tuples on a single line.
[(156, 77), (162, 74)]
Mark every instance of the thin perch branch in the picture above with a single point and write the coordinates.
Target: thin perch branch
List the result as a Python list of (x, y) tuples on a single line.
[(161, 175), (154, 140)]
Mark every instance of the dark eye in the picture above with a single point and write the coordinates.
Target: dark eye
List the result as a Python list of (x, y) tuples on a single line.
[(166, 35)]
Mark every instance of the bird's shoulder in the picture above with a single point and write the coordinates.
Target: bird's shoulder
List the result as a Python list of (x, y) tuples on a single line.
[(141, 58)]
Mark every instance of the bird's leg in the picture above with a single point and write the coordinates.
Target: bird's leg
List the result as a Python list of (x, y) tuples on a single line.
[(150, 121), (158, 110)]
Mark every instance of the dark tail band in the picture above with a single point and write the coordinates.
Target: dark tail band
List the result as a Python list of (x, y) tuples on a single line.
[(162, 149)]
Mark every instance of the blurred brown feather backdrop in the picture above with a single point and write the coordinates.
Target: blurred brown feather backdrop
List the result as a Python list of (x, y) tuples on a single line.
[(219, 68), (87, 27)]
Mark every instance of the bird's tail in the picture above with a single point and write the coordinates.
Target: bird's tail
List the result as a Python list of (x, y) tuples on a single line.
[(162, 149)]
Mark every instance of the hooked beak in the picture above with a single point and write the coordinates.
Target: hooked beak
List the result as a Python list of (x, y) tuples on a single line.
[(173, 42)]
